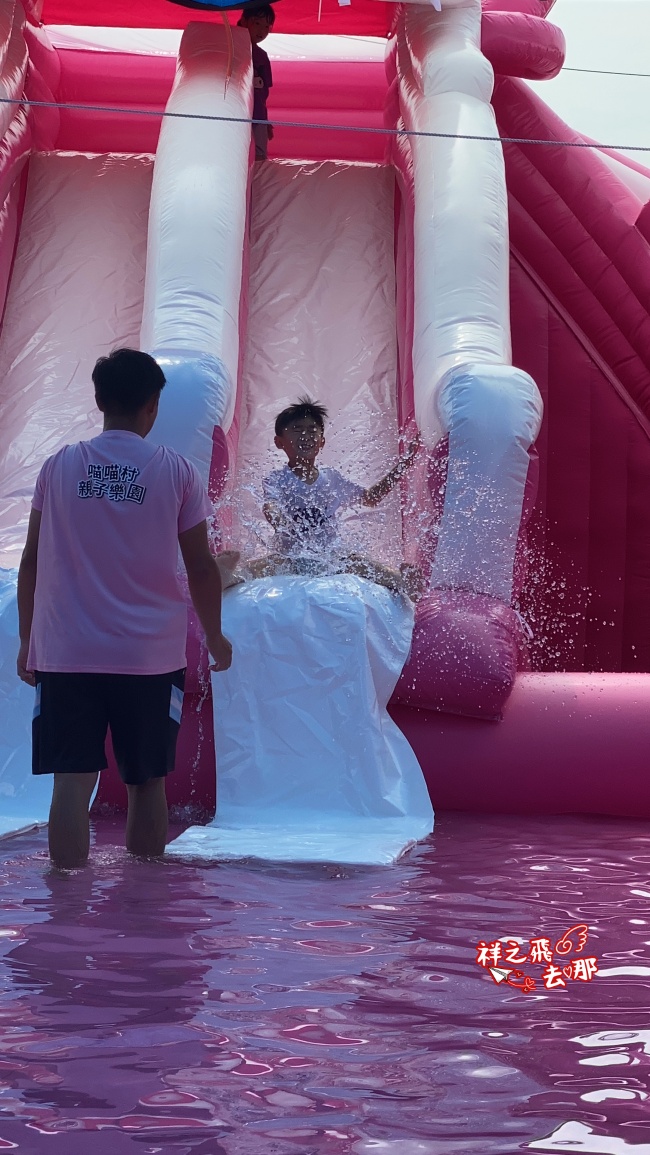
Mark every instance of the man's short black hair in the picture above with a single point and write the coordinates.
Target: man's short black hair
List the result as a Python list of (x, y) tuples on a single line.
[(125, 380), (303, 407), (257, 10)]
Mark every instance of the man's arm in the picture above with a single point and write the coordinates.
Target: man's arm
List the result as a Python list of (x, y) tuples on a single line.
[(204, 582), (26, 588), (378, 492)]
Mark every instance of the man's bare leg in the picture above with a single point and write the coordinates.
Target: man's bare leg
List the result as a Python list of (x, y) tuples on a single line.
[(68, 831), (147, 819)]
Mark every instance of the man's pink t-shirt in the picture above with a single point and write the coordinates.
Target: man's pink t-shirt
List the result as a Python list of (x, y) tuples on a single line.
[(108, 596)]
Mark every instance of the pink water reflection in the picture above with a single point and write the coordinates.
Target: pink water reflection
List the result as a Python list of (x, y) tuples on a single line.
[(244, 1009)]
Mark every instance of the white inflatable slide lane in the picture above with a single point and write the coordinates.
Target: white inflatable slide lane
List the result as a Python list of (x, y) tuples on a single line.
[(464, 383), (310, 766), (76, 292)]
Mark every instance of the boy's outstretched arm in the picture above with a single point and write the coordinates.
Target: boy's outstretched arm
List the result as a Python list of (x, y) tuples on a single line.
[(378, 492)]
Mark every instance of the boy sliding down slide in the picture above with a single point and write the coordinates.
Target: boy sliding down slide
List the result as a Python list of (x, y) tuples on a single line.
[(302, 503)]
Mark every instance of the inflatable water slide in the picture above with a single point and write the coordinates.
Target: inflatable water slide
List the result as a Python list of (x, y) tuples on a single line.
[(427, 248)]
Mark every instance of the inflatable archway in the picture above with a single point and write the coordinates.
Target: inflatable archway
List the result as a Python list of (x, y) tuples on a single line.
[(521, 272)]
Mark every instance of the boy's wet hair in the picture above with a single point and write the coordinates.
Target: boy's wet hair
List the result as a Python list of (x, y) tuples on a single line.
[(125, 380), (264, 10), (303, 407)]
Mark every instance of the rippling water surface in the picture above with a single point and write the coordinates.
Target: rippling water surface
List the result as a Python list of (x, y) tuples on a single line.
[(153, 1007)]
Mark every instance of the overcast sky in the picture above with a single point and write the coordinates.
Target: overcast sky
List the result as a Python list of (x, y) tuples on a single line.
[(610, 34)]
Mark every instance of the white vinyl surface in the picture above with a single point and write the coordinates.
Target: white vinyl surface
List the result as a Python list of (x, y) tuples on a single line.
[(311, 768), (76, 292)]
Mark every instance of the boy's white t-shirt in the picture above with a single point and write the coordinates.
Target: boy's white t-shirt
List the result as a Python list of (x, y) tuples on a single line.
[(310, 521)]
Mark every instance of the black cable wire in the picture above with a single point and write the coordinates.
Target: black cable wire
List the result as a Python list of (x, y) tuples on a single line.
[(605, 72), (325, 127)]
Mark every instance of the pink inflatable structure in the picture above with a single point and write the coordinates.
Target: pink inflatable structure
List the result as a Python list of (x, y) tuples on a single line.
[(496, 297)]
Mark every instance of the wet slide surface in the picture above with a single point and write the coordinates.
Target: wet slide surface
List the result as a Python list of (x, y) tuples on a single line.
[(310, 765), (321, 322), (298, 1011)]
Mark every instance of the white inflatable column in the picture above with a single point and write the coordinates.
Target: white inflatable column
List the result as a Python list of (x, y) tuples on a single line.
[(197, 225), (464, 383)]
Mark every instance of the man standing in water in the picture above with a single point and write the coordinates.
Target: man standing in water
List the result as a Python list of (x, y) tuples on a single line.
[(102, 615)]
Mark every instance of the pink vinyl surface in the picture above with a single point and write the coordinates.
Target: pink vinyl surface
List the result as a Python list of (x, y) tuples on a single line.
[(363, 18), (568, 744), (303, 91), (580, 300)]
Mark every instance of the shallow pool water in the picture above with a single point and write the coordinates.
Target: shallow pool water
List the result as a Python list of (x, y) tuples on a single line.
[(166, 1007)]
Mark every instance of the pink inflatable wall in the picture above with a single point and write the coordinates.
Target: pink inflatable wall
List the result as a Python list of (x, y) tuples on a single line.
[(305, 91), (580, 306)]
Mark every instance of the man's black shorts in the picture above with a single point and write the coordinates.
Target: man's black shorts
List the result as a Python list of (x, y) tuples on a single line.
[(73, 713)]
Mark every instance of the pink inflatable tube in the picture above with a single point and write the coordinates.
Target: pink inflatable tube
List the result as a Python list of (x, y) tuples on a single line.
[(568, 743), (14, 151), (517, 44), (16, 137), (10, 215), (33, 10), (43, 56)]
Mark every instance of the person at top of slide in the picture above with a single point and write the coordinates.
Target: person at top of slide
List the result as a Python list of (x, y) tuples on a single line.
[(259, 21), (302, 503), (102, 615)]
